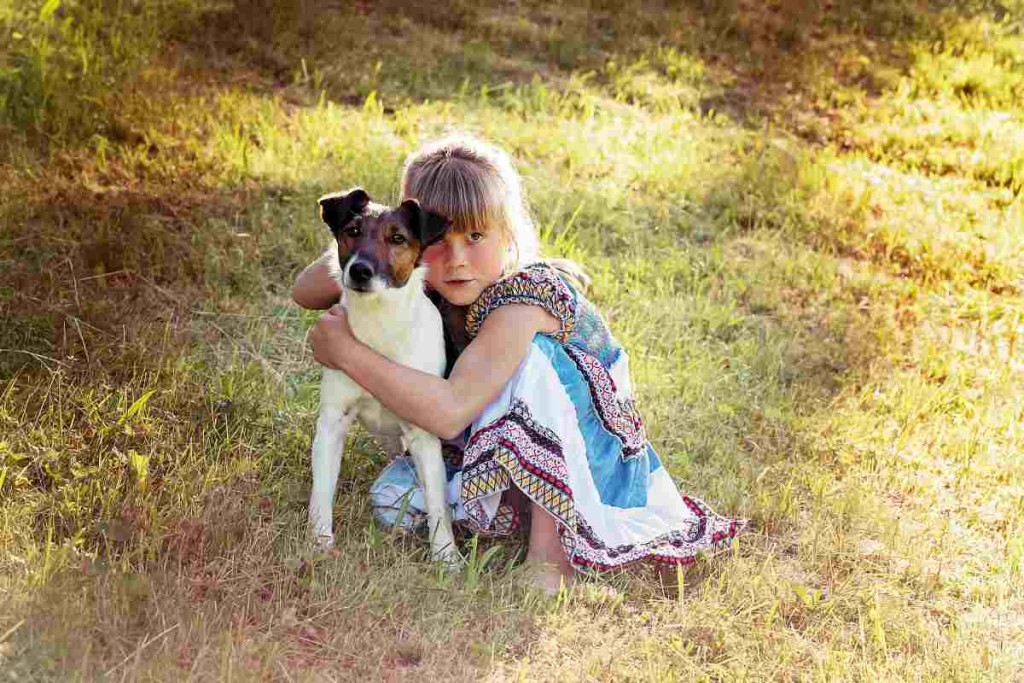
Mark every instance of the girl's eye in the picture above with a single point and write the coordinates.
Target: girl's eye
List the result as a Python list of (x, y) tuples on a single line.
[(397, 238), (475, 236)]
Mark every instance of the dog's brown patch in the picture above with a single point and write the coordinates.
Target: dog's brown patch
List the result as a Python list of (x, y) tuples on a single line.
[(402, 257)]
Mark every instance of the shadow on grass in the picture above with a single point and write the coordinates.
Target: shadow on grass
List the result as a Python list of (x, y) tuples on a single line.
[(91, 269), (778, 54), (94, 261)]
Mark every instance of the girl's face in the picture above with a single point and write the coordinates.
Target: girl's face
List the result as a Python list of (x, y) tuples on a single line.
[(463, 264)]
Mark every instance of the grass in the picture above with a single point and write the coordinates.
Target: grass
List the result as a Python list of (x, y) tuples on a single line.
[(803, 220)]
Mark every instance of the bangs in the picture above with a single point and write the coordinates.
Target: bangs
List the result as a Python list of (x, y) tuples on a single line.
[(460, 193)]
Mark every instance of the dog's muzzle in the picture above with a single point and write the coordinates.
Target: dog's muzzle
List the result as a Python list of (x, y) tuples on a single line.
[(359, 276)]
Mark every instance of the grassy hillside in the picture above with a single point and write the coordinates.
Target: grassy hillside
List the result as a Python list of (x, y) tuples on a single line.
[(804, 219)]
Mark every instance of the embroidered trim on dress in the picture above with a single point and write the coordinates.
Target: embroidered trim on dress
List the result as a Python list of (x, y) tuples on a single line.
[(621, 418), (516, 449), (674, 547), (537, 284)]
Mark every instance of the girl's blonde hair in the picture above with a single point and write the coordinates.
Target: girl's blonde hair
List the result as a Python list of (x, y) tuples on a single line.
[(473, 184)]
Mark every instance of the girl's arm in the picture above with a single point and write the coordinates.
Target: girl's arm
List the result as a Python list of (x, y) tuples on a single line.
[(444, 407), (314, 287)]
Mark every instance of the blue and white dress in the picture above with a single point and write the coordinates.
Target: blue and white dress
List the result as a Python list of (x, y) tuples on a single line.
[(565, 432)]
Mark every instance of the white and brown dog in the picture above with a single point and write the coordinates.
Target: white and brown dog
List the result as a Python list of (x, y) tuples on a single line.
[(378, 258)]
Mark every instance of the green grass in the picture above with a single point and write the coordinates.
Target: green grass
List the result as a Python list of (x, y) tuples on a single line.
[(803, 221)]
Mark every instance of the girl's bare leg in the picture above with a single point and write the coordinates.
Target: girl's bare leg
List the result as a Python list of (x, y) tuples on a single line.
[(549, 564)]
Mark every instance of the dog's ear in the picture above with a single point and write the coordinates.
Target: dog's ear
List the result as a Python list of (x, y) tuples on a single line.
[(428, 226), (338, 209)]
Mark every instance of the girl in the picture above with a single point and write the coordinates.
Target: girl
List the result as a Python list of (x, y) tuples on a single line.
[(537, 397)]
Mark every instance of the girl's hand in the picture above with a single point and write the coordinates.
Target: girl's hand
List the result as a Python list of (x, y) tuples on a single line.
[(332, 337)]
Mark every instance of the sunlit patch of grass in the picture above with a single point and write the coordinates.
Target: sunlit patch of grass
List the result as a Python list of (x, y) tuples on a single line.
[(906, 223), (944, 139), (976, 62)]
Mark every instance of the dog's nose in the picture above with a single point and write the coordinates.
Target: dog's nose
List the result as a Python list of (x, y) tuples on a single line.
[(360, 273)]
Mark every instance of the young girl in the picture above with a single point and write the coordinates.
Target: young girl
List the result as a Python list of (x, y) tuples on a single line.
[(538, 395)]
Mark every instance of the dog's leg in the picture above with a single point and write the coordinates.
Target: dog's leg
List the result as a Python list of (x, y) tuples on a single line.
[(426, 456), (331, 429)]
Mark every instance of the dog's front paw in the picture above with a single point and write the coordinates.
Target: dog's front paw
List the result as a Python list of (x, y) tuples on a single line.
[(323, 542), (451, 558)]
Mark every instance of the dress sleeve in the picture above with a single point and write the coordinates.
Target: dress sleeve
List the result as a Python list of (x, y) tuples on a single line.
[(536, 285)]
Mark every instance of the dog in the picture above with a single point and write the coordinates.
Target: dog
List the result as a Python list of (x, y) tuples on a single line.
[(378, 267)]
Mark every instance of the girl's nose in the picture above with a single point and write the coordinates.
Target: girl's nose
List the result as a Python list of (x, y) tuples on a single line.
[(456, 252)]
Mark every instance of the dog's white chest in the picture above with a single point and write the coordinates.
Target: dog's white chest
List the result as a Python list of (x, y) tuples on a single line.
[(337, 389), (414, 340)]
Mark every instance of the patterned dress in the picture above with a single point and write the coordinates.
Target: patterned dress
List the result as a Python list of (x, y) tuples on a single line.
[(566, 433)]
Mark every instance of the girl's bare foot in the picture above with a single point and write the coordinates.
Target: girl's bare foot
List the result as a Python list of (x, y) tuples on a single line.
[(549, 578), (549, 568)]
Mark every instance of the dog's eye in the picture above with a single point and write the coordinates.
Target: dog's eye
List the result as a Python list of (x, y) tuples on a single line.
[(397, 238), (353, 231)]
